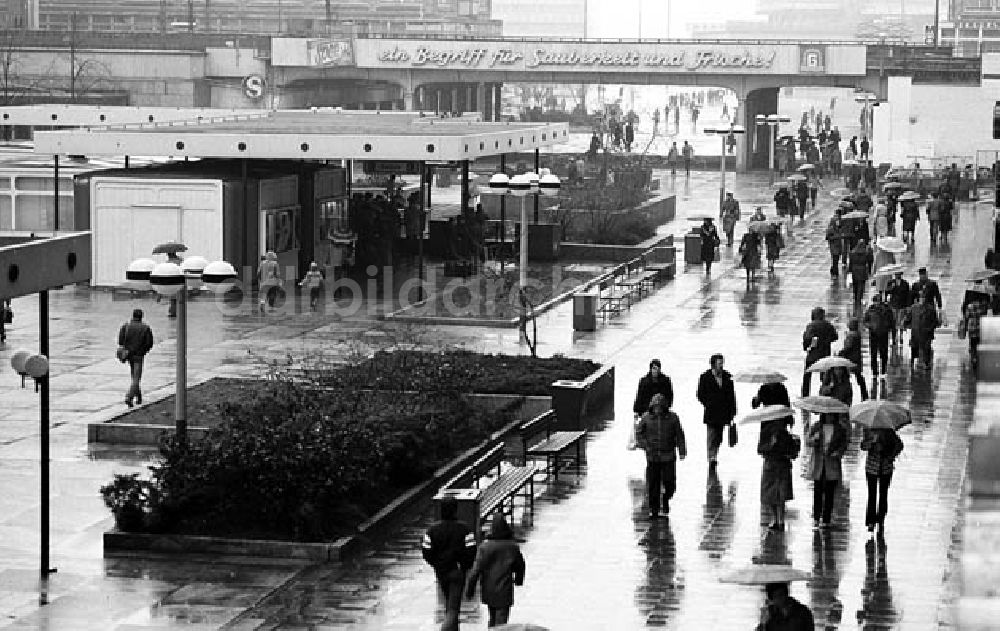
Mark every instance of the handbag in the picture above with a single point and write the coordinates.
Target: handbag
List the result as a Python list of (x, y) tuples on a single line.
[(734, 436), (718, 254), (633, 443), (122, 354), (963, 329)]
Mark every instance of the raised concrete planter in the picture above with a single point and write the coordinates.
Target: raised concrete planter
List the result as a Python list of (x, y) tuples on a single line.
[(308, 553), (574, 401)]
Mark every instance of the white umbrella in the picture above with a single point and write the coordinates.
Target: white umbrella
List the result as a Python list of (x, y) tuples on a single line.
[(890, 270), (908, 196), (759, 374), (855, 214), (833, 361), (796, 177), (767, 413), (850, 163), (880, 414), (806, 167), (894, 245), (821, 405), (892, 185), (764, 575)]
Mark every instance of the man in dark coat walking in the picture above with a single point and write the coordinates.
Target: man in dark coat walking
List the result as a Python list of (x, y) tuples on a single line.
[(925, 285), (880, 322), (717, 394), (660, 435), (449, 546), (709, 241), (860, 263), (851, 350), (137, 339), (499, 566), (816, 341), (653, 382)]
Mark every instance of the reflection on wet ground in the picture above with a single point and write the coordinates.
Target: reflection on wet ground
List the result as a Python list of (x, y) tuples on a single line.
[(595, 560)]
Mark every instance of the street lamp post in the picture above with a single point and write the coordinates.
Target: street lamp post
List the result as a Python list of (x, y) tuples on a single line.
[(174, 281), (867, 101), (725, 133), (772, 121), (522, 186)]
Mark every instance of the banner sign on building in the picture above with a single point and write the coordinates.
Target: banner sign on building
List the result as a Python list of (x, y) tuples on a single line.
[(576, 57), (330, 52), (542, 56)]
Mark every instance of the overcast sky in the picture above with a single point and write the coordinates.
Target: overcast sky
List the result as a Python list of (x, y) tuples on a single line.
[(620, 18)]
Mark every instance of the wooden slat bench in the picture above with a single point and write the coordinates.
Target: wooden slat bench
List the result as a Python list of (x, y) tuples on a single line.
[(507, 482), (632, 281), (552, 446), (611, 298)]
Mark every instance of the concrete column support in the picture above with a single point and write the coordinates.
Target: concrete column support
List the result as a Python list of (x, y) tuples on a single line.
[(469, 95), (454, 106), (481, 100), (741, 139), (497, 100), (408, 100)]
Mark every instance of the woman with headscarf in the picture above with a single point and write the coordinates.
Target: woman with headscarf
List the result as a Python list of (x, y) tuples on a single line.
[(779, 448), (498, 567), (828, 441)]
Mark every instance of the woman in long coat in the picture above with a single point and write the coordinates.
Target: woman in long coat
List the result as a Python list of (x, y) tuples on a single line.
[(773, 244), (750, 255), (778, 448), (709, 241), (910, 214), (828, 441), (882, 258), (499, 566)]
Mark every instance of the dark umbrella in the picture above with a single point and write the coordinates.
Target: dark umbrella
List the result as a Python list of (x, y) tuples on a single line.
[(169, 248)]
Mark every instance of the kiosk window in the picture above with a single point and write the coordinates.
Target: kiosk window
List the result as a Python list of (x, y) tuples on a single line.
[(334, 217), (281, 230)]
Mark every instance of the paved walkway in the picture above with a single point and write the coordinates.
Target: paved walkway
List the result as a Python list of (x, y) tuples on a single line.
[(594, 561)]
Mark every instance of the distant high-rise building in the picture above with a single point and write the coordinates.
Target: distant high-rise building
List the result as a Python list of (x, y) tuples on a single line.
[(293, 17), (551, 18), (18, 14), (891, 20), (972, 27)]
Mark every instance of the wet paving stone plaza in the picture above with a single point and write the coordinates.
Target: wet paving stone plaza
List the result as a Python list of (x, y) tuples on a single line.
[(594, 558)]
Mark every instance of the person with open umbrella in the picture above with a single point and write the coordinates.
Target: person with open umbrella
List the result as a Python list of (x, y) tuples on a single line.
[(817, 338), (882, 445), (778, 448), (781, 612), (828, 441)]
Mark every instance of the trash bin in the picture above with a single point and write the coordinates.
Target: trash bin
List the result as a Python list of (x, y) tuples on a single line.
[(567, 402), (468, 507), (585, 311), (692, 248)]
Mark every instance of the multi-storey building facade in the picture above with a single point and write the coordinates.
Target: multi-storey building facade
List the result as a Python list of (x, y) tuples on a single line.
[(972, 27), (448, 17)]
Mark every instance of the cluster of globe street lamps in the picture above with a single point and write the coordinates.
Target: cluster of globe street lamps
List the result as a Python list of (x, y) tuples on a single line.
[(173, 281)]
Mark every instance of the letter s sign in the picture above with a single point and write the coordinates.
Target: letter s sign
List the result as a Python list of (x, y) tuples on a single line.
[(253, 86)]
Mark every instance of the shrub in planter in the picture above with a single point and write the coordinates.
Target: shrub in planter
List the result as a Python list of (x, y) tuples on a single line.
[(129, 499), (308, 464)]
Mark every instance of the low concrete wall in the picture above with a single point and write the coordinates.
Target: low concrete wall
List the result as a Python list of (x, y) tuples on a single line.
[(610, 253)]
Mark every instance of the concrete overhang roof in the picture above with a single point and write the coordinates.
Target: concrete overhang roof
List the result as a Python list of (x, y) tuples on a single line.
[(310, 134)]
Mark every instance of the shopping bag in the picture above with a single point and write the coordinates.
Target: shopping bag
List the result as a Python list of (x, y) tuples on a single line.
[(734, 436), (632, 444)]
